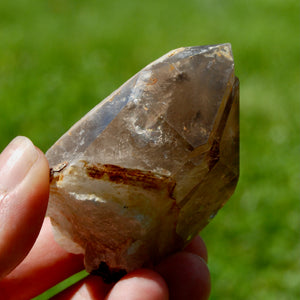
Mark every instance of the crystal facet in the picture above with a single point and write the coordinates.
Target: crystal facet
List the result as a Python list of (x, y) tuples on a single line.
[(145, 170)]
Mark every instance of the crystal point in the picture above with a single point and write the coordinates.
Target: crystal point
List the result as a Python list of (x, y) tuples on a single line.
[(145, 170)]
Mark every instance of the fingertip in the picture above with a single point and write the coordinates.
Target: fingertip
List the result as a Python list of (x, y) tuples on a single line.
[(186, 275), (91, 287), (198, 247), (140, 284)]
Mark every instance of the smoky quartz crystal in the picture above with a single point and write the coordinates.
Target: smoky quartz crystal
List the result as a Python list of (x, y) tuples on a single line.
[(147, 168)]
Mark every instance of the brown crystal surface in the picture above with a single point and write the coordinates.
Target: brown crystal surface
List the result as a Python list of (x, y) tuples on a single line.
[(146, 169)]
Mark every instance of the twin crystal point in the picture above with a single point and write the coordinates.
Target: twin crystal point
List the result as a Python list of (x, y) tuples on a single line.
[(145, 170)]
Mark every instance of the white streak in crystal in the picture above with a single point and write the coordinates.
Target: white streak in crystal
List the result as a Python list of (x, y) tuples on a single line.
[(84, 197), (153, 135), (136, 100), (224, 50), (82, 142), (143, 78), (162, 171)]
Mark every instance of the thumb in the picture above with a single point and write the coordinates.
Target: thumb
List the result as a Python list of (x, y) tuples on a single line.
[(24, 191)]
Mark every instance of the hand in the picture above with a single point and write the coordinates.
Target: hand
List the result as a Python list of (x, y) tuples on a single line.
[(32, 262)]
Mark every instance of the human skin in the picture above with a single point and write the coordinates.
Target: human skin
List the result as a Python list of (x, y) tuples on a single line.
[(32, 262)]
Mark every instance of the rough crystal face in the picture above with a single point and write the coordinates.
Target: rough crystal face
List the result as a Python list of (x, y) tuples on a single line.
[(145, 170)]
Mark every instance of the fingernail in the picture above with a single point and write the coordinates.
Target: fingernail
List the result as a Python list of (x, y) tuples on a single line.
[(15, 162)]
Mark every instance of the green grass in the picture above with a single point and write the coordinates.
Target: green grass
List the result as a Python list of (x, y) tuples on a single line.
[(58, 59)]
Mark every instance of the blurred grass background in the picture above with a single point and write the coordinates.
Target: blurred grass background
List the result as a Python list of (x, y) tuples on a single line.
[(59, 58)]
